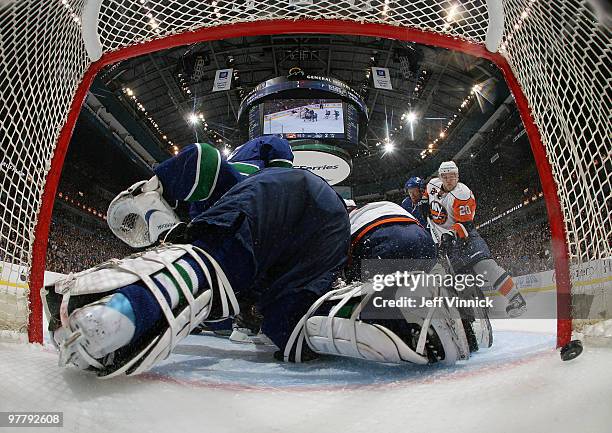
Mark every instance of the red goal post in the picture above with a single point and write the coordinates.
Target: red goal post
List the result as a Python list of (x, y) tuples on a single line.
[(52, 63)]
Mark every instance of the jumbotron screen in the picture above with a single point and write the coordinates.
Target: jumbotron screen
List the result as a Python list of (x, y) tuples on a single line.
[(304, 118)]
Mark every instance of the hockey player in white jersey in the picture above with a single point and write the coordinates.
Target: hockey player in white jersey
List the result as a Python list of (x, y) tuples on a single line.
[(452, 208)]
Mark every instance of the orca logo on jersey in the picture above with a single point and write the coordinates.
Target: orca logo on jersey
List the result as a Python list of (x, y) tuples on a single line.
[(438, 213)]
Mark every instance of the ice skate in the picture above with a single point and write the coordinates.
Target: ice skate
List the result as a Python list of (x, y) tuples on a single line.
[(97, 329), (516, 306)]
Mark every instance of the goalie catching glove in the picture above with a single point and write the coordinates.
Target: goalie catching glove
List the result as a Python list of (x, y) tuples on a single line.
[(140, 215)]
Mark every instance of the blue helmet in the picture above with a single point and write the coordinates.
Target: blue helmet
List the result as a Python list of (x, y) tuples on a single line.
[(415, 182)]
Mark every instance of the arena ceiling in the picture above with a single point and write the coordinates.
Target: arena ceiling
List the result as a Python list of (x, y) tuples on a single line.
[(164, 89)]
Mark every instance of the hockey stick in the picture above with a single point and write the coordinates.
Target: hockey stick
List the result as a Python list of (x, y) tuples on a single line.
[(485, 334)]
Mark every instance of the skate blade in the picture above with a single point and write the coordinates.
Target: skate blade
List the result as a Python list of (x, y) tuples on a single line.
[(68, 348)]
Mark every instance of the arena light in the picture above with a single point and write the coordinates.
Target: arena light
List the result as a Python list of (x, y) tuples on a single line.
[(452, 13), (74, 16), (442, 134), (193, 118), (482, 92), (411, 118), (389, 147), (129, 91), (226, 151)]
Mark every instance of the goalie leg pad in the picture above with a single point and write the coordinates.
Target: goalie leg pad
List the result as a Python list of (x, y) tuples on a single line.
[(93, 284), (373, 341), (359, 340)]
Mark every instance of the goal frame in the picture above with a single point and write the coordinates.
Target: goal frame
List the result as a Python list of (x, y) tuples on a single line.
[(560, 247)]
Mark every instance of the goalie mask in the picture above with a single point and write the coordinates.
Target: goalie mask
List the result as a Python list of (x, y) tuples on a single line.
[(139, 215)]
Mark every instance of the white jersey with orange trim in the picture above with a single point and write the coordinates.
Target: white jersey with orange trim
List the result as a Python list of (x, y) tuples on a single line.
[(374, 212), (450, 211)]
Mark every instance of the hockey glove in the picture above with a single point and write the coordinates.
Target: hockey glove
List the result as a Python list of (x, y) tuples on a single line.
[(447, 241)]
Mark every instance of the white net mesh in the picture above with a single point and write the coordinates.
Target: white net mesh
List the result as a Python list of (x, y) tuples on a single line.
[(125, 22), (560, 55), (41, 69), (559, 52)]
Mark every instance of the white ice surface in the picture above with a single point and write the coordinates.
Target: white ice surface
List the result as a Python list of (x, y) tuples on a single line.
[(213, 385)]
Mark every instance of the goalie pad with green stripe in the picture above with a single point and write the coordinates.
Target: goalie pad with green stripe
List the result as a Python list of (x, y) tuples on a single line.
[(188, 304)]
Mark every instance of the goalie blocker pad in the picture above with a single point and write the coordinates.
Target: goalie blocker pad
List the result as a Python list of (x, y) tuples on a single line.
[(355, 338), (86, 287)]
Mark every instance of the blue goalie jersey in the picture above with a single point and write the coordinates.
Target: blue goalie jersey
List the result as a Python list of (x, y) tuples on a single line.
[(200, 175)]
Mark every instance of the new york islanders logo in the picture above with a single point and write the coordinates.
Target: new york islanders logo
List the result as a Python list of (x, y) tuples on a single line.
[(438, 213)]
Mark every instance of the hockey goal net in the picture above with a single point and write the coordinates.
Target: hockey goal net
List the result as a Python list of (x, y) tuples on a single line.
[(555, 56)]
